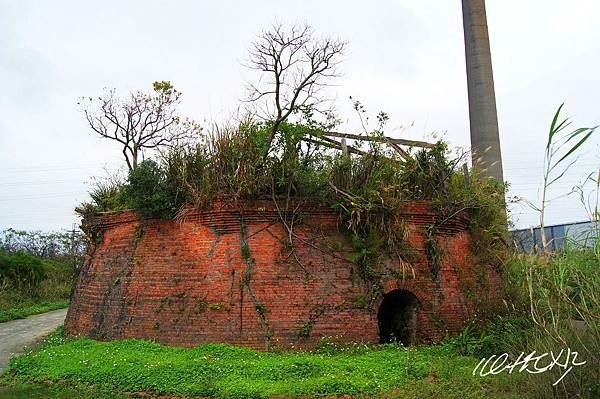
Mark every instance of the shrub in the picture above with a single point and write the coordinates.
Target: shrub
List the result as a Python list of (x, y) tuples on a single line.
[(150, 192), (107, 196), (21, 270)]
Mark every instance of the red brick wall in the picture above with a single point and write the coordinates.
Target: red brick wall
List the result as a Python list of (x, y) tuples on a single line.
[(188, 281)]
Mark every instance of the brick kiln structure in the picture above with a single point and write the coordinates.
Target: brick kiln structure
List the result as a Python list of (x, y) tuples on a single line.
[(230, 274)]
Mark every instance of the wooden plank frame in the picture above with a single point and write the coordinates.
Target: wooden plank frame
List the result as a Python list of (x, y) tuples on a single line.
[(325, 139)]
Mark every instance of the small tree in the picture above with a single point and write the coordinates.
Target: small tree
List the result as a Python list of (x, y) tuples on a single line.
[(143, 121), (297, 66)]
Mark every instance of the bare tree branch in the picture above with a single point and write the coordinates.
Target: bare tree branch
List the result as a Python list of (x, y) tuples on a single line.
[(297, 65), (145, 122)]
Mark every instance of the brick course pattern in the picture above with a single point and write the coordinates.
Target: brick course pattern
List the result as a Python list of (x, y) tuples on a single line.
[(230, 274)]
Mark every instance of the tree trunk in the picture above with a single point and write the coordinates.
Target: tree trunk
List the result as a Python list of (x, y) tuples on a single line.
[(485, 140)]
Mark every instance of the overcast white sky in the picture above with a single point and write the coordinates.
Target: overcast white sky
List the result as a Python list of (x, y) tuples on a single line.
[(405, 57)]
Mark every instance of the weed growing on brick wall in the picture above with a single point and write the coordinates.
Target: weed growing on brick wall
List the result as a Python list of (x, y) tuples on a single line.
[(483, 200), (367, 190), (150, 191), (227, 162), (434, 252)]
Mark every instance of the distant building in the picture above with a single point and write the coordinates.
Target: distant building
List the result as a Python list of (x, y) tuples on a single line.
[(582, 233)]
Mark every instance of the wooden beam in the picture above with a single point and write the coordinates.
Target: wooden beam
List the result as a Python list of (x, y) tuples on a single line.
[(404, 154), (335, 145), (384, 139)]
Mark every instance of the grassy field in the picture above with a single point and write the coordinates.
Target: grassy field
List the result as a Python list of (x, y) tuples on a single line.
[(62, 366), (27, 307)]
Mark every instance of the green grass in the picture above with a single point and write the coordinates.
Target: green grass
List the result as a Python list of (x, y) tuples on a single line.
[(219, 370), (28, 310)]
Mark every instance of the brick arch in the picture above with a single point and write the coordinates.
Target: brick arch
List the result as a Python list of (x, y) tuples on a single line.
[(399, 316), (406, 285)]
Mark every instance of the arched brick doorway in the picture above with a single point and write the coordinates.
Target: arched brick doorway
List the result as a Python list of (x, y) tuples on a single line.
[(397, 317)]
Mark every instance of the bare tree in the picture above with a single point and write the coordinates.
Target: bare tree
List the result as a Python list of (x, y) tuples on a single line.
[(145, 121), (297, 66)]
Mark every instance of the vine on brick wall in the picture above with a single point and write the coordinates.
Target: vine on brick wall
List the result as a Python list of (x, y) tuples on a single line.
[(434, 252), (315, 313), (249, 262)]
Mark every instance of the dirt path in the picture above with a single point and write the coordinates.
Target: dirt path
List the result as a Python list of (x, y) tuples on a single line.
[(17, 335)]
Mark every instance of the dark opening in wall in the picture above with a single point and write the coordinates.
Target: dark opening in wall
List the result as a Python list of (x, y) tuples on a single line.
[(397, 317)]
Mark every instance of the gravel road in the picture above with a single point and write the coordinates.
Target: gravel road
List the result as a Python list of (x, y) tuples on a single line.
[(17, 335)]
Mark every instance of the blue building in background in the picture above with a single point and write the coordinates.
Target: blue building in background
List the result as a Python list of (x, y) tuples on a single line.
[(529, 240)]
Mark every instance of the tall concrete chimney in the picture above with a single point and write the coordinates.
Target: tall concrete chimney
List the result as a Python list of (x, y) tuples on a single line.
[(485, 139)]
